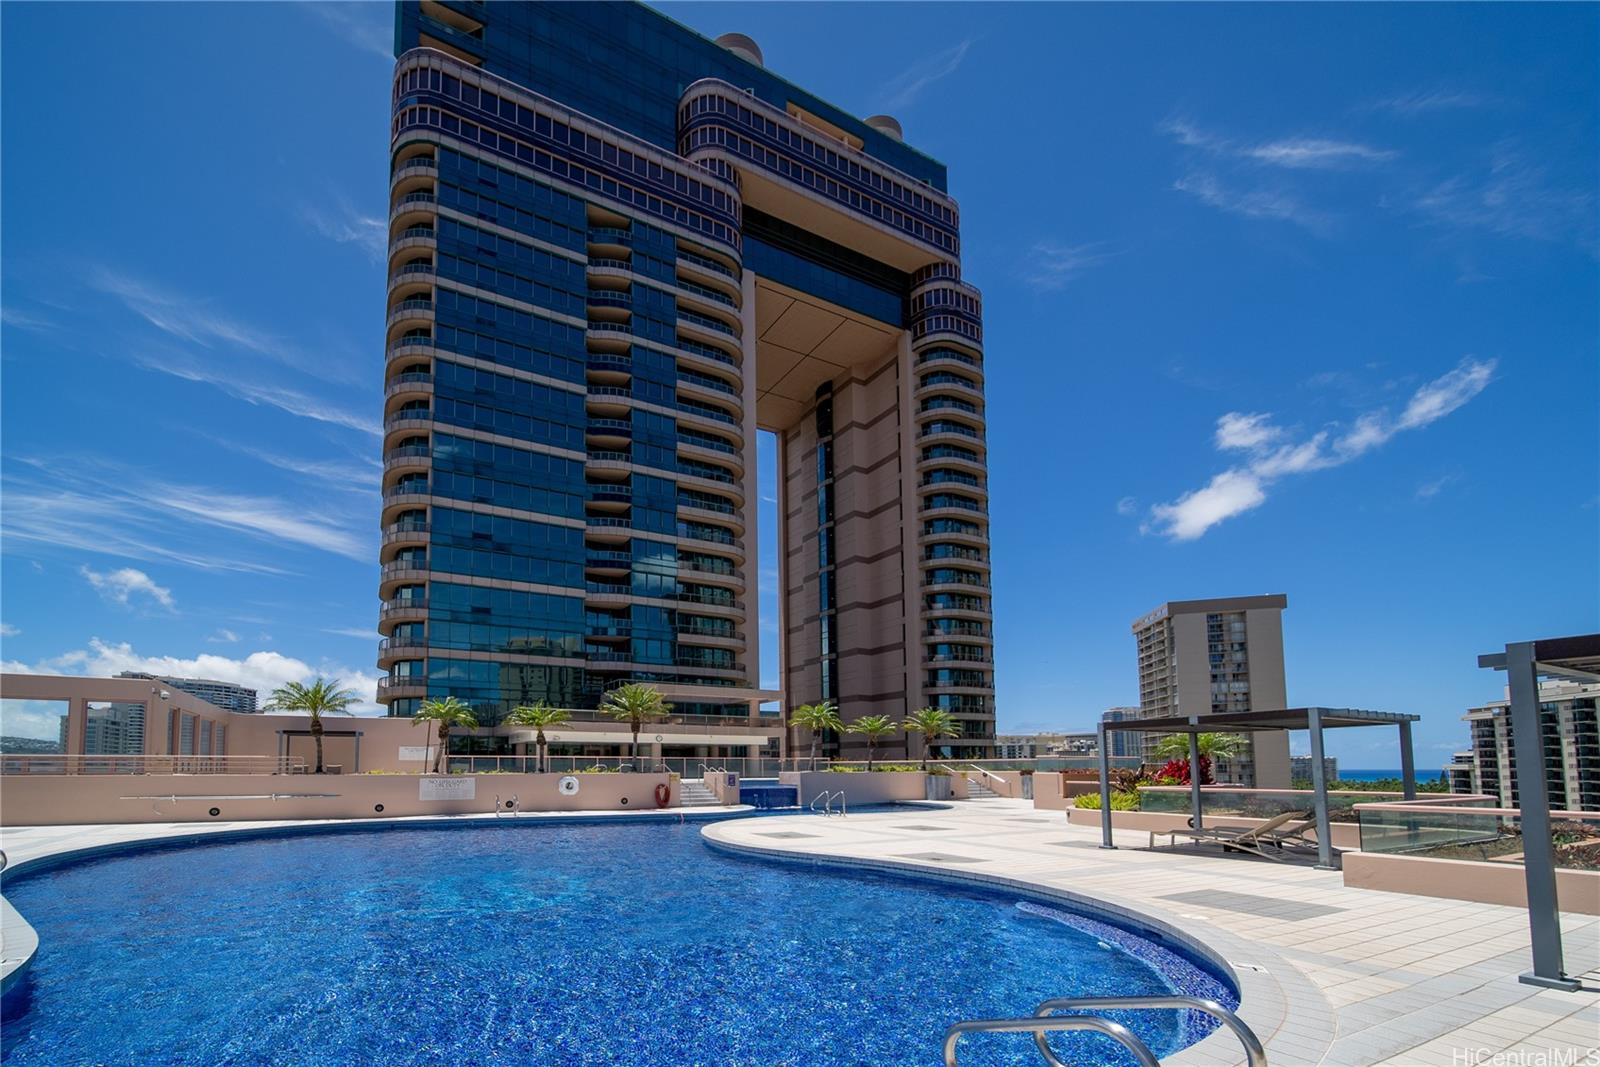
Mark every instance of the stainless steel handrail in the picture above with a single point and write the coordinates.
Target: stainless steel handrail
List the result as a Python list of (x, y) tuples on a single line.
[(1255, 1055), (1040, 1026)]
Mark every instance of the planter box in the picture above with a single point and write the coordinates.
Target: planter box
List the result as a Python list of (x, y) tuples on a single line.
[(859, 787), (938, 787), (1485, 883)]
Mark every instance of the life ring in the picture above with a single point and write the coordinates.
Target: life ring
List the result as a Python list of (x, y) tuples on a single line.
[(663, 794), (568, 786)]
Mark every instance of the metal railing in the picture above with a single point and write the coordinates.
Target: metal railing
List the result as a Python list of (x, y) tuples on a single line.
[(1043, 1022), (683, 766), (826, 799), (63, 764)]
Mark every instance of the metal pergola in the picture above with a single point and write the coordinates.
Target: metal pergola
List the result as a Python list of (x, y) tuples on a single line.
[(1314, 720), (1525, 663)]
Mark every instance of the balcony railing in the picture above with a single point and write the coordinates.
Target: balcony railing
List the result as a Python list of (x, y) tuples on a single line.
[(695, 348), (55, 763), (610, 235), (706, 321), (709, 264), (398, 605)]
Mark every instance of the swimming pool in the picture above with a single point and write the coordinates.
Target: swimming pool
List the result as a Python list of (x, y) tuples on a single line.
[(518, 944)]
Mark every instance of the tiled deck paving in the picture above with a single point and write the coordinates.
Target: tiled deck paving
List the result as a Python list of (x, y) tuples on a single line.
[(1330, 975), (1348, 976)]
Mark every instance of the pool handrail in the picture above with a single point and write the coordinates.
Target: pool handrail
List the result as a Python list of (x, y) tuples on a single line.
[(1040, 1025), (1255, 1054)]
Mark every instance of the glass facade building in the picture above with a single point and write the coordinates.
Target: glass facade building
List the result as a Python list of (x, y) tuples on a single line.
[(617, 249)]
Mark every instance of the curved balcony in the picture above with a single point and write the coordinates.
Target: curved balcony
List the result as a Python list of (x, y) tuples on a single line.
[(614, 337), (951, 407), (608, 434), (607, 528), (609, 367), (415, 384), (703, 387), (609, 305), (413, 239), (977, 562), (707, 418), (705, 327), (610, 242), (610, 561), (608, 460), (411, 209), (945, 431), (392, 649), (975, 660), (731, 577), (408, 170), (399, 572), (697, 513), (406, 457), (953, 385), (975, 538), (412, 311), (408, 532), (706, 267), (609, 494), (406, 422), (615, 398), (708, 357), (404, 609), (607, 593), (400, 688), (412, 278)]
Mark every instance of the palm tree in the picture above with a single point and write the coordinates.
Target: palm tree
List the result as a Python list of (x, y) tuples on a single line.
[(932, 724), (873, 727), (816, 718), (635, 704), (1210, 746), (321, 697), (538, 716), (448, 713)]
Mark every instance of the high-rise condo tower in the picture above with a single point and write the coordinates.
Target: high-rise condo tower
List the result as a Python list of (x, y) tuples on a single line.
[(617, 250)]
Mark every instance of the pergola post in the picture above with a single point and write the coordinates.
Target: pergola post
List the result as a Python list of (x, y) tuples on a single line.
[(1105, 786), (1319, 788), (1194, 772), (1408, 764), (1533, 798)]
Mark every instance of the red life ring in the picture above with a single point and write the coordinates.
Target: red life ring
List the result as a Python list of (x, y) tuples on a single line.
[(663, 794)]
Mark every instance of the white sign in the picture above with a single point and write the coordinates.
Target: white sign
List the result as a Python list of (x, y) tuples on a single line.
[(413, 753), (452, 788)]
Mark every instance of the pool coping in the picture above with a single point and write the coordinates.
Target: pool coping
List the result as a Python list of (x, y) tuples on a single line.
[(19, 941), (1273, 992)]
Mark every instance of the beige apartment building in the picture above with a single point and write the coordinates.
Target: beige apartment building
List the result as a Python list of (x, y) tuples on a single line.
[(1202, 657), (1569, 727)]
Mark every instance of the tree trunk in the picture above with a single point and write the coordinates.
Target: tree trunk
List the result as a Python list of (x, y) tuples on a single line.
[(635, 756), (872, 749), (538, 748), (927, 743), (316, 735), (444, 741), (814, 736)]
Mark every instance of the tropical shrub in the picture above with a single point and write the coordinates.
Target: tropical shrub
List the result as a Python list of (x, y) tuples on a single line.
[(1119, 801)]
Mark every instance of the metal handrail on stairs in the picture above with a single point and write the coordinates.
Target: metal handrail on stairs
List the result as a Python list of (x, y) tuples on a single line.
[(1044, 1022), (826, 799)]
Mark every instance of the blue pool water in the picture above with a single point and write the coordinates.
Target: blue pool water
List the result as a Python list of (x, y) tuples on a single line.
[(520, 944)]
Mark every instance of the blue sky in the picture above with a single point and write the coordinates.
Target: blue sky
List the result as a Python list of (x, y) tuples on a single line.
[(1279, 299)]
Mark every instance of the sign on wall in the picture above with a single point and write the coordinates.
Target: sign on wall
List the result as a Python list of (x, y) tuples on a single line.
[(413, 753), (453, 788)]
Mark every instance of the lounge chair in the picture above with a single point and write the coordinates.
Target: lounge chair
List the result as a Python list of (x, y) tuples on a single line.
[(1289, 828)]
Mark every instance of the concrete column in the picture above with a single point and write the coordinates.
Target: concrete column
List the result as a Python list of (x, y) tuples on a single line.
[(1196, 801), (1319, 786), (1408, 765), (77, 726), (1533, 798), (1105, 787)]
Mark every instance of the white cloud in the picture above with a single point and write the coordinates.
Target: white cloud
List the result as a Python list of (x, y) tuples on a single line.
[(224, 637), (1270, 456), (1429, 490), (1513, 198), (89, 504), (228, 380), (1128, 506), (363, 633), (7, 630), (905, 87), (1315, 152), (367, 232), (127, 585), (368, 27), (1258, 203), (1051, 266), (261, 671), (1423, 101)]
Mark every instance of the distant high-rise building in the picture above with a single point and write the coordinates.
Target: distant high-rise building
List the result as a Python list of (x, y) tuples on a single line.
[(1205, 657), (616, 250), (1124, 745), (226, 695), (111, 728), (1300, 768), (1570, 731)]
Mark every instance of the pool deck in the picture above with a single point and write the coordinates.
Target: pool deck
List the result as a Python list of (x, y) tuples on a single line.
[(1329, 975)]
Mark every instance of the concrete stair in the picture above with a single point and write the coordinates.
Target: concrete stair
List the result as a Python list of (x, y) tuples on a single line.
[(977, 790), (696, 795)]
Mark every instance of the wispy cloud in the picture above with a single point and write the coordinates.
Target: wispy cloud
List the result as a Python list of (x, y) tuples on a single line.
[(223, 637), (361, 633), (1513, 197), (128, 587), (348, 226), (1424, 101), (93, 505), (1313, 152), (228, 380), (1271, 453), (1128, 506), (368, 27), (262, 671), (7, 630), (1429, 490), (1259, 203), (1051, 266), (903, 89), (1295, 153), (23, 320), (351, 477)]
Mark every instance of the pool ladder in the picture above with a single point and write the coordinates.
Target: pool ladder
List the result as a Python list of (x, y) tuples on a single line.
[(826, 799), (1042, 1022)]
